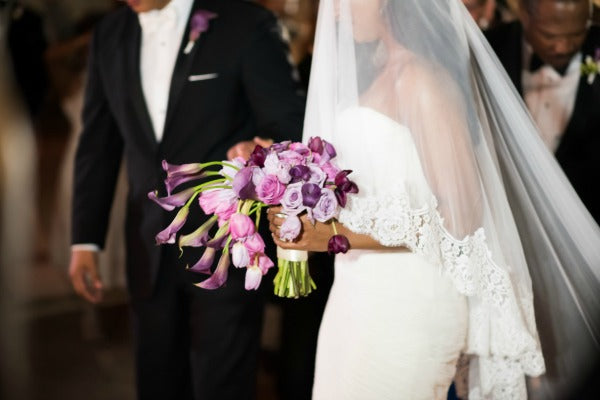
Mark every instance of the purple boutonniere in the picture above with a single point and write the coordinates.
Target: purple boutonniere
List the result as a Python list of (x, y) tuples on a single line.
[(591, 66), (198, 24)]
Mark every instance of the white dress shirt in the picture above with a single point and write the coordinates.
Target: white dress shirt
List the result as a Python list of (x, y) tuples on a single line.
[(550, 97), (162, 34)]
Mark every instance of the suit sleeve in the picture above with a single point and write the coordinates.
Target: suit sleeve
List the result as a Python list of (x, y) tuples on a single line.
[(97, 160), (274, 94)]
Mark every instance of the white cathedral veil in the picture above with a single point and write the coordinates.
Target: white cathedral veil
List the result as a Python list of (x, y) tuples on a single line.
[(504, 222)]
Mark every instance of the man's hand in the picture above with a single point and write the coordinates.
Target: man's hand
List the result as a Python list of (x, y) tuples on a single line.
[(245, 149), (83, 271)]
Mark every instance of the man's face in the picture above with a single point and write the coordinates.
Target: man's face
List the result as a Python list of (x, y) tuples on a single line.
[(146, 5), (556, 30)]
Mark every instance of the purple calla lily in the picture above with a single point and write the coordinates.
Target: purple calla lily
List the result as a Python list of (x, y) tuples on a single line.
[(243, 185), (174, 181), (169, 203), (199, 237), (300, 173), (205, 262), (183, 169), (311, 193), (218, 278), (168, 234), (199, 23)]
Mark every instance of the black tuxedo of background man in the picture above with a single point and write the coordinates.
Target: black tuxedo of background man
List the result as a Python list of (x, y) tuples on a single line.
[(181, 330), (579, 150)]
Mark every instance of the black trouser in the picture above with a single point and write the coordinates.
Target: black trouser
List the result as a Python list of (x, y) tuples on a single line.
[(193, 343)]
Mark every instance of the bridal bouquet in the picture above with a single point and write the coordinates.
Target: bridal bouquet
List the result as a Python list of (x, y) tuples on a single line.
[(300, 178)]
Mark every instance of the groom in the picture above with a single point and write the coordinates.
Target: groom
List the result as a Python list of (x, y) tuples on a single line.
[(543, 54), (183, 81)]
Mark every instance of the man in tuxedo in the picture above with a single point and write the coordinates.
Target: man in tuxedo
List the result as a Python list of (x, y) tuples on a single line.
[(154, 93), (543, 54)]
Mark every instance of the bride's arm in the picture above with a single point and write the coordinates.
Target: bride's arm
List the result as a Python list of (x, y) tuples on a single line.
[(315, 237)]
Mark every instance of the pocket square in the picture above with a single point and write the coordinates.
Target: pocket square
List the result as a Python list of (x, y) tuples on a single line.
[(202, 77)]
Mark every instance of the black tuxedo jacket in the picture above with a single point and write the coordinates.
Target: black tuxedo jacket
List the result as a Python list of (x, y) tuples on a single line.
[(252, 93), (579, 149)]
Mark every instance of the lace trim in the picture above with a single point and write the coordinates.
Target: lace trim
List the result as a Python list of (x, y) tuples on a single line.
[(499, 321)]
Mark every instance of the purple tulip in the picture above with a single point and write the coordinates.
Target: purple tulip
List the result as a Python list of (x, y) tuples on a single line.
[(254, 244), (205, 262), (327, 206), (338, 244), (168, 234), (310, 194), (199, 237), (170, 202), (315, 144), (292, 199), (243, 185), (253, 278), (329, 150), (270, 190), (199, 23), (183, 169), (291, 227), (218, 278), (258, 156), (241, 226), (239, 255)]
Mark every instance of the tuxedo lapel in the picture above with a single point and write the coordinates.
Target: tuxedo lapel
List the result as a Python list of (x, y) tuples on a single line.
[(132, 70), (182, 68)]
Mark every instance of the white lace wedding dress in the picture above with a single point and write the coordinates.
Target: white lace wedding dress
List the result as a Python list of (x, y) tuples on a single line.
[(395, 324)]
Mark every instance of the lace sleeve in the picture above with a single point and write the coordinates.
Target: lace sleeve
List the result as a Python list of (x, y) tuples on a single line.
[(495, 325)]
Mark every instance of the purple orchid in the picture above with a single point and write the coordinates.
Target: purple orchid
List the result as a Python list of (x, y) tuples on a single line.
[(344, 186), (198, 23)]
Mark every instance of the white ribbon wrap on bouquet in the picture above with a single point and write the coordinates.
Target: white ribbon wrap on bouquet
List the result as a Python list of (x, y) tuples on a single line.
[(292, 255)]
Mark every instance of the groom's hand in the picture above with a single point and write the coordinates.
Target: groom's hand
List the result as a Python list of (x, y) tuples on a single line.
[(245, 149), (83, 271)]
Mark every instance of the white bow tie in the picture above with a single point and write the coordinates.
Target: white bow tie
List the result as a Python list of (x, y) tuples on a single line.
[(150, 21)]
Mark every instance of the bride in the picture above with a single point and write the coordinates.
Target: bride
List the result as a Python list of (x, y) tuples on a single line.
[(459, 207)]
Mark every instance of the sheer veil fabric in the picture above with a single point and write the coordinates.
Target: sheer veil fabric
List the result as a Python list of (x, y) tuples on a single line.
[(502, 219)]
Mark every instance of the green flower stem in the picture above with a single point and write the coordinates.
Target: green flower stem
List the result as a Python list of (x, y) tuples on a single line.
[(293, 279)]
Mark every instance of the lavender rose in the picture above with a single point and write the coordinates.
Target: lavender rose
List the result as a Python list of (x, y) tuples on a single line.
[(292, 199), (326, 207), (270, 190)]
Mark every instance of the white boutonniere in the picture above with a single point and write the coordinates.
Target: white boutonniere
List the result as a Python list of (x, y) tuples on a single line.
[(198, 23), (591, 66)]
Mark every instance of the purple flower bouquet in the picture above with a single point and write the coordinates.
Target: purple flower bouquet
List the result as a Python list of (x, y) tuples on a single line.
[(300, 178)]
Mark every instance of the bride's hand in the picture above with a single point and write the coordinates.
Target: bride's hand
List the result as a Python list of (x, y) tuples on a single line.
[(312, 237)]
